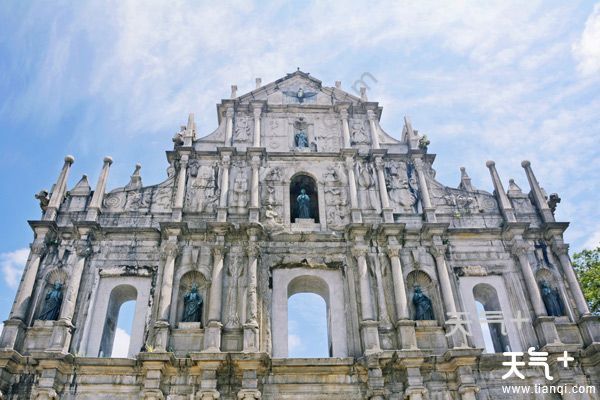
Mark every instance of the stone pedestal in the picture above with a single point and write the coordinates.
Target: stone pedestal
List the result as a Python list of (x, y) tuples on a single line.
[(407, 339), (61, 336), (370, 336), (12, 334), (212, 337), (388, 215), (589, 325), (250, 338), (546, 331), (161, 340), (254, 214)]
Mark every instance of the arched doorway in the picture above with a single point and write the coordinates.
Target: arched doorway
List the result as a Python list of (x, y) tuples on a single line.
[(308, 335)]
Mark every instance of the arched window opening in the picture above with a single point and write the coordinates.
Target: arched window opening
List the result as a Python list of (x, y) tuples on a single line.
[(121, 306), (304, 198), (121, 342), (491, 320), (307, 327)]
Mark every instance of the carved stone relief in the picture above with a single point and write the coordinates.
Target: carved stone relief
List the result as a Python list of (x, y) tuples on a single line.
[(402, 188), (203, 192), (358, 132), (369, 198), (243, 130)]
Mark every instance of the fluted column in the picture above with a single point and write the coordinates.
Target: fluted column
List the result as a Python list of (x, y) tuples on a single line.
[(425, 198), (251, 325), (257, 112), (212, 338), (222, 212), (345, 128), (538, 195), (14, 326), (58, 193), (400, 299), (383, 194), (504, 203), (444, 278), (374, 134), (520, 250), (180, 193), (63, 329), (96, 202), (562, 250), (255, 165), (355, 210), (228, 126), (370, 334), (168, 254)]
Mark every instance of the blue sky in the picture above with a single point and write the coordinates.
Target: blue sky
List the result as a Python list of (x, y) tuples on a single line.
[(484, 80)]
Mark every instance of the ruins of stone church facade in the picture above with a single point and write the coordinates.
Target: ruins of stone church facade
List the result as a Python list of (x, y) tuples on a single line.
[(299, 189)]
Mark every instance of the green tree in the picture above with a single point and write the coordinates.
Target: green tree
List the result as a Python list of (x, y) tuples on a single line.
[(587, 267)]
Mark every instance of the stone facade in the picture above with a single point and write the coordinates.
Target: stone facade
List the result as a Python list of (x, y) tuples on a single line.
[(229, 222)]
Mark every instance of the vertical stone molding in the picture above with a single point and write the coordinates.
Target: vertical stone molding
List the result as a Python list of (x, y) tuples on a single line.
[(254, 189), (98, 196), (229, 126), (538, 195), (257, 110), (58, 194), (562, 251), (225, 165), (345, 127), (383, 194), (370, 334), (425, 198), (169, 252), (355, 210), (181, 183), (251, 338), (505, 207), (374, 131), (212, 338)]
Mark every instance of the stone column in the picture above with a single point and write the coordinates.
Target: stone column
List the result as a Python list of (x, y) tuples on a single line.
[(400, 299), (15, 325), (180, 193), (222, 211), (253, 209), (427, 207), (438, 252), (543, 324), (345, 128), (355, 210), (58, 193), (257, 108), (370, 334), (251, 326), (503, 201), (383, 194), (374, 133), (63, 329), (538, 195), (562, 250), (96, 202), (212, 335), (169, 253), (229, 126)]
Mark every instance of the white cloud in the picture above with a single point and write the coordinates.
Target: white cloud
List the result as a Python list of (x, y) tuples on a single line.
[(587, 49), (12, 264), (121, 343), (294, 344), (593, 241)]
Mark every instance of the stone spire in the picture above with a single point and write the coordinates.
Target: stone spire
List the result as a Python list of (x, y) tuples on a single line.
[(465, 181), (258, 83), (233, 91), (503, 201), (58, 193), (189, 134), (513, 188), (82, 188), (538, 194), (96, 203), (136, 179)]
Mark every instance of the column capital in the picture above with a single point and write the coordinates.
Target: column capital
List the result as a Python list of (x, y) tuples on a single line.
[(229, 112), (438, 250), (252, 250), (169, 250), (359, 250), (37, 247), (344, 114), (560, 248), (257, 110), (255, 161), (379, 162), (84, 248), (520, 248), (371, 115), (418, 162), (393, 250), (349, 161), (219, 251)]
